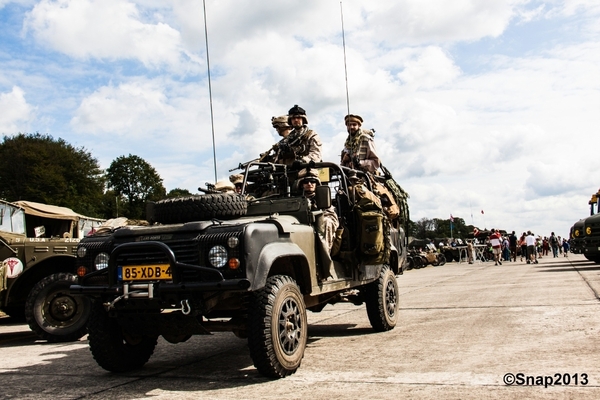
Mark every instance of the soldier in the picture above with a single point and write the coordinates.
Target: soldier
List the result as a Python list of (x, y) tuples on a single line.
[(359, 149), (328, 222), (281, 125), (238, 182), (302, 144)]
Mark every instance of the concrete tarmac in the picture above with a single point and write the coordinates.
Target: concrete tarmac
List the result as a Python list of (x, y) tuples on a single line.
[(462, 328)]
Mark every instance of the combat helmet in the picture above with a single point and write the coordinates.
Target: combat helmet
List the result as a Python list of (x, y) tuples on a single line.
[(297, 111)]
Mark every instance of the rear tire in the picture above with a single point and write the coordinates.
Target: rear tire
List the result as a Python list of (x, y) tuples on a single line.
[(278, 328), (381, 298), (53, 313), (113, 348)]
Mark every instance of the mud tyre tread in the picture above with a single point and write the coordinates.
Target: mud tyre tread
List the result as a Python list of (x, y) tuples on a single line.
[(197, 208), (53, 313), (112, 348), (277, 327), (381, 299)]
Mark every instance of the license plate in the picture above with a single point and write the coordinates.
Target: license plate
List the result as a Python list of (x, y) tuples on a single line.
[(145, 272)]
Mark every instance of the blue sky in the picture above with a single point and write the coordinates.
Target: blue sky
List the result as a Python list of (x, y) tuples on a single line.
[(477, 104)]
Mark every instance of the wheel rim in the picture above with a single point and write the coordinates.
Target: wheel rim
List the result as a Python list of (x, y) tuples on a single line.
[(390, 298), (290, 326), (61, 309)]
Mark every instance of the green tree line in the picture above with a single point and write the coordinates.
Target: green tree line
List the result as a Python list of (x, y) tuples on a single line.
[(37, 167)]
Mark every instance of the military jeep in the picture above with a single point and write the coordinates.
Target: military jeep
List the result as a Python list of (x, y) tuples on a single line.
[(37, 251), (251, 264)]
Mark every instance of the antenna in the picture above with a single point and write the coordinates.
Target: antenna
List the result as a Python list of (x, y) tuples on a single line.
[(212, 119), (345, 65)]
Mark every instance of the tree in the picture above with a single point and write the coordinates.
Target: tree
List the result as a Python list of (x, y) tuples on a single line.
[(177, 192), (39, 168), (136, 180)]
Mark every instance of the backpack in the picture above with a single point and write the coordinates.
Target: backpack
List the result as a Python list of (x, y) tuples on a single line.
[(400, 196), (372, 227)]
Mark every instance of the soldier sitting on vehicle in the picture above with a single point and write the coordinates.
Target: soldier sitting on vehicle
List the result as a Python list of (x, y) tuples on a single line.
[(359, 149), (328, 222)]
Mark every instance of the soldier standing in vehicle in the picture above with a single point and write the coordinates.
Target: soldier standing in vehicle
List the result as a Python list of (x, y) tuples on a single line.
[(359, 149), (283, 153), (302, 144)]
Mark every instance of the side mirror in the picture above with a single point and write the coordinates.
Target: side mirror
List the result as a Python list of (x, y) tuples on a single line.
[(323, 197)]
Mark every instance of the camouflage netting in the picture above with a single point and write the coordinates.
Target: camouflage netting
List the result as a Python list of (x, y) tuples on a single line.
[(400, 195)]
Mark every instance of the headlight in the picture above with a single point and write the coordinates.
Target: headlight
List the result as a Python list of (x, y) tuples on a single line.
[(588, 230), (81, 251), (101, 261), (217, 256)]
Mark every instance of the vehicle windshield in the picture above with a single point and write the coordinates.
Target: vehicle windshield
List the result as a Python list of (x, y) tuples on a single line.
[(12, 219)]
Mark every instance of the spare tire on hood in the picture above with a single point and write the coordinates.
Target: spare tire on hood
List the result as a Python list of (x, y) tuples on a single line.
[(198, 208)]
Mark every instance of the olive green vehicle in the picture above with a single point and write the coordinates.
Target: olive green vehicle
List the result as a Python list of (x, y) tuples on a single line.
[(590, 243), (250, 263), (37, 251)]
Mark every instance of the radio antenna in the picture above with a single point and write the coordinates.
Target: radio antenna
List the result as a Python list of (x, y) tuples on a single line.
[(345, 65), (212, 119)]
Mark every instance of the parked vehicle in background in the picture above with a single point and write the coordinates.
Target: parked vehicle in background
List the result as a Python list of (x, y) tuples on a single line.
[(37, 250), (585, 233)]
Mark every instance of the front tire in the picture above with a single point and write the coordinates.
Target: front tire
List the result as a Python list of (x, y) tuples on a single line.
[(381, 299), (53, 313), (278, 328), (113, 348)]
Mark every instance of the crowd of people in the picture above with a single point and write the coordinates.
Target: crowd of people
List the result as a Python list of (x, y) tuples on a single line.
[(527, 247)]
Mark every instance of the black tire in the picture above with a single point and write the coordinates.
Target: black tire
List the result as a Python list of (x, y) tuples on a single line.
[(53, 313), (198, 208), (278, 328), (441, 259), (112, 348), (381, 299)]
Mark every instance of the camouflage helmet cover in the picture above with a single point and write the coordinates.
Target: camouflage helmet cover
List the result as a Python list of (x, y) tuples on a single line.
[(224, 186), (280, 122), (236, 178), (308, 173)]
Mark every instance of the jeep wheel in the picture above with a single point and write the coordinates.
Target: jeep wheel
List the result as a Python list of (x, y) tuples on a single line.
[(198, 208), (381, 298), (277, 327), (53, 313), (114, 349)]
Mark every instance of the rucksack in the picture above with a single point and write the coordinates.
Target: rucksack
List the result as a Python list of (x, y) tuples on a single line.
[(372, 227)]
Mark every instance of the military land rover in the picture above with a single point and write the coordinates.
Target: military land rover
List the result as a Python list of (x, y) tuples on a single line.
[(37, 251), (251, 264)]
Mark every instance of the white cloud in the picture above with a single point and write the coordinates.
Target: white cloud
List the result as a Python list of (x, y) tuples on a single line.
[(16, 112), (106, 29)]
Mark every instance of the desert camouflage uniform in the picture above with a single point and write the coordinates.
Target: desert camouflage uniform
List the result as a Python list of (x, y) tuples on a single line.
[(306, 147), (362, 147)]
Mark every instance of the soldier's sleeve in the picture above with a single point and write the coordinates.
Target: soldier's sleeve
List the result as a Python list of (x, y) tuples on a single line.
[(371, 162), (314, 149)]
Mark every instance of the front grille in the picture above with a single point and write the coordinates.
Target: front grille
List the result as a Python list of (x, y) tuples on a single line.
[(185, 250)]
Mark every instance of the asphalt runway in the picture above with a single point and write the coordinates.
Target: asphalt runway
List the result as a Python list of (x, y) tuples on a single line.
[(464, 332)]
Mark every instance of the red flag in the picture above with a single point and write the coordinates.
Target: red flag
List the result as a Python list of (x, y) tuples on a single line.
[(475, 231), (482, 211), (451, 218)]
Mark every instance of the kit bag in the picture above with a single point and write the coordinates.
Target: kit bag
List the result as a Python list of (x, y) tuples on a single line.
[(371, 227)]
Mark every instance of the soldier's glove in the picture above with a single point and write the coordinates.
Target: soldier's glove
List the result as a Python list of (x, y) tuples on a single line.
[(356, 162)]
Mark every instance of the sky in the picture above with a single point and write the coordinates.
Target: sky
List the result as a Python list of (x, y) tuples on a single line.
[(485, 110)]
